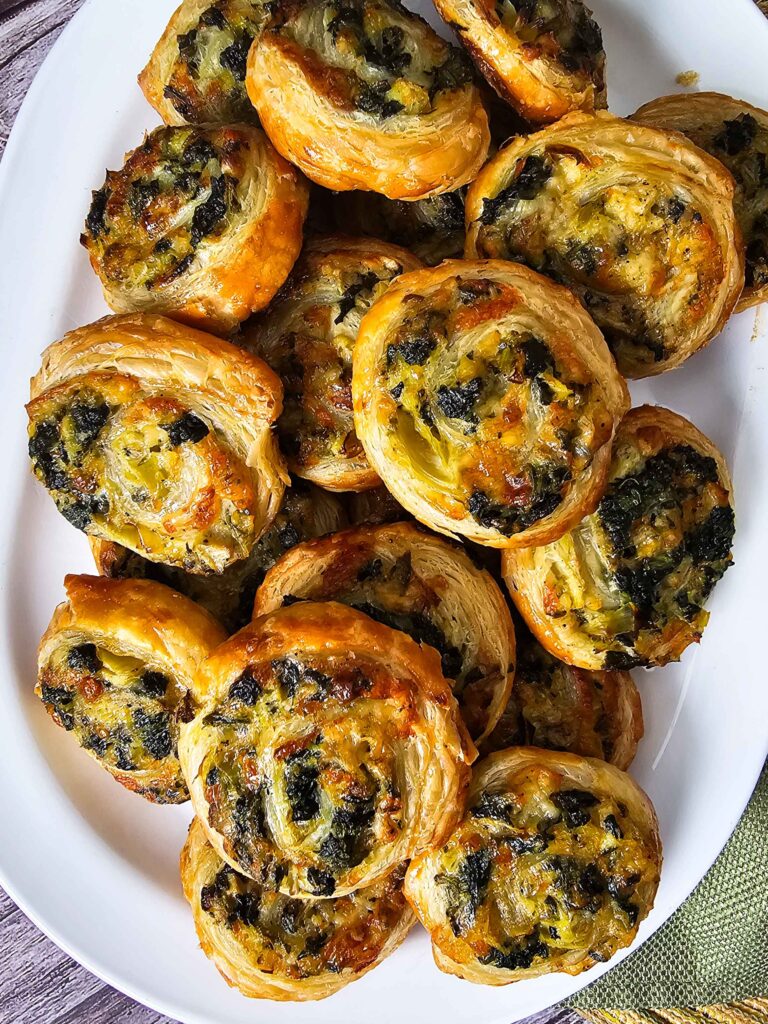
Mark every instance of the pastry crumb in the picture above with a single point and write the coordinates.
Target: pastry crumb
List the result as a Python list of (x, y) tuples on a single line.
[(688, 78)]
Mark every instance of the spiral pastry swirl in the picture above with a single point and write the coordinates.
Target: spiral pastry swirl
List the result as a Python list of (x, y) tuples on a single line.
[(638, 222), (196, 73), (158, 437), (307, 337), (271, 946), (411, 580), (363, 94), (328, 744), (201, 223), (116, 669), (628, 585), (486, 400), (553, 867)]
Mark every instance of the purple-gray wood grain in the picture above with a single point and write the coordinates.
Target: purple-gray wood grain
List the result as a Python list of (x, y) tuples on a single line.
[(38, 983)]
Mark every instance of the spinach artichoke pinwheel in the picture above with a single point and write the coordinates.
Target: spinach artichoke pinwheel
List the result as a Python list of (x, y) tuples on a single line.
[(201, 223), (426, 586), (737, 134), (363, 94), (307, 337), (272, 946), (627, 586), (486, 400), (638, 222), (159, 437), (116, 669), (553, 867), (329, 744), (196, 74)]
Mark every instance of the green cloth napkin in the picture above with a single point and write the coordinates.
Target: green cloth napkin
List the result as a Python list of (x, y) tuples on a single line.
[(714, 949)]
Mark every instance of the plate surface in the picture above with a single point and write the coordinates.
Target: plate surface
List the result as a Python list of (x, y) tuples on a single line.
[(96, 867)]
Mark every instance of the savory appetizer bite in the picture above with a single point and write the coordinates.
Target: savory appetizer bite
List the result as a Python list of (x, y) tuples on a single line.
[(627, 586), (638, 222), (201, 223), (433, 229), (271, 946), (737, 134), (116, 669), (363, 94), (559, 707), (196, 74), (306, 512), (307, 337), (545, 57), (553, 867), (428, 587), (486, 400), (159, 437), (328, 744)]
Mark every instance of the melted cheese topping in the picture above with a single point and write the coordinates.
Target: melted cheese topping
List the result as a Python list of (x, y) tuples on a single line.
[(123, 711), (634, 576), (141, 468), (206, 83), (560, 32), (372, 57), (632, 245), (482, 408), (177, 195), (538, 870)]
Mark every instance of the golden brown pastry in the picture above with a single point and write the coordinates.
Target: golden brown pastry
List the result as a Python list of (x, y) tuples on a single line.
[(201, 223), (363, 94), (627, 586), (433, 229), (116, 668), (486, 400), (411, 580), (196, 73), (307, 337), (558, 707), (545, 57), (553, 868), (158, 437), (638, 222), (737, 134), (306, 512), (328, 743), (270, 946)]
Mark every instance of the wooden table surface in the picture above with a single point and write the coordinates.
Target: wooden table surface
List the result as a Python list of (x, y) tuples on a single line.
[(39, 984)]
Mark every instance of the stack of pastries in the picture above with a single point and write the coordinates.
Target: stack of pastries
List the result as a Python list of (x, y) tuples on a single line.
[(378, 535)]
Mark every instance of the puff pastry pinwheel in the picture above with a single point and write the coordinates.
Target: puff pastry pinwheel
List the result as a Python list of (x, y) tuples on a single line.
[(202, 223), (545, 57), (553, 867), (271, 946), (307, 337), (329, 744), (411, 580), (196, 73), (158, 437), (627, 586), (116, 668), (433, 229), (737, 134), (306, 512), (559, 707), (486, 400), (638, 222), (363, 94)]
